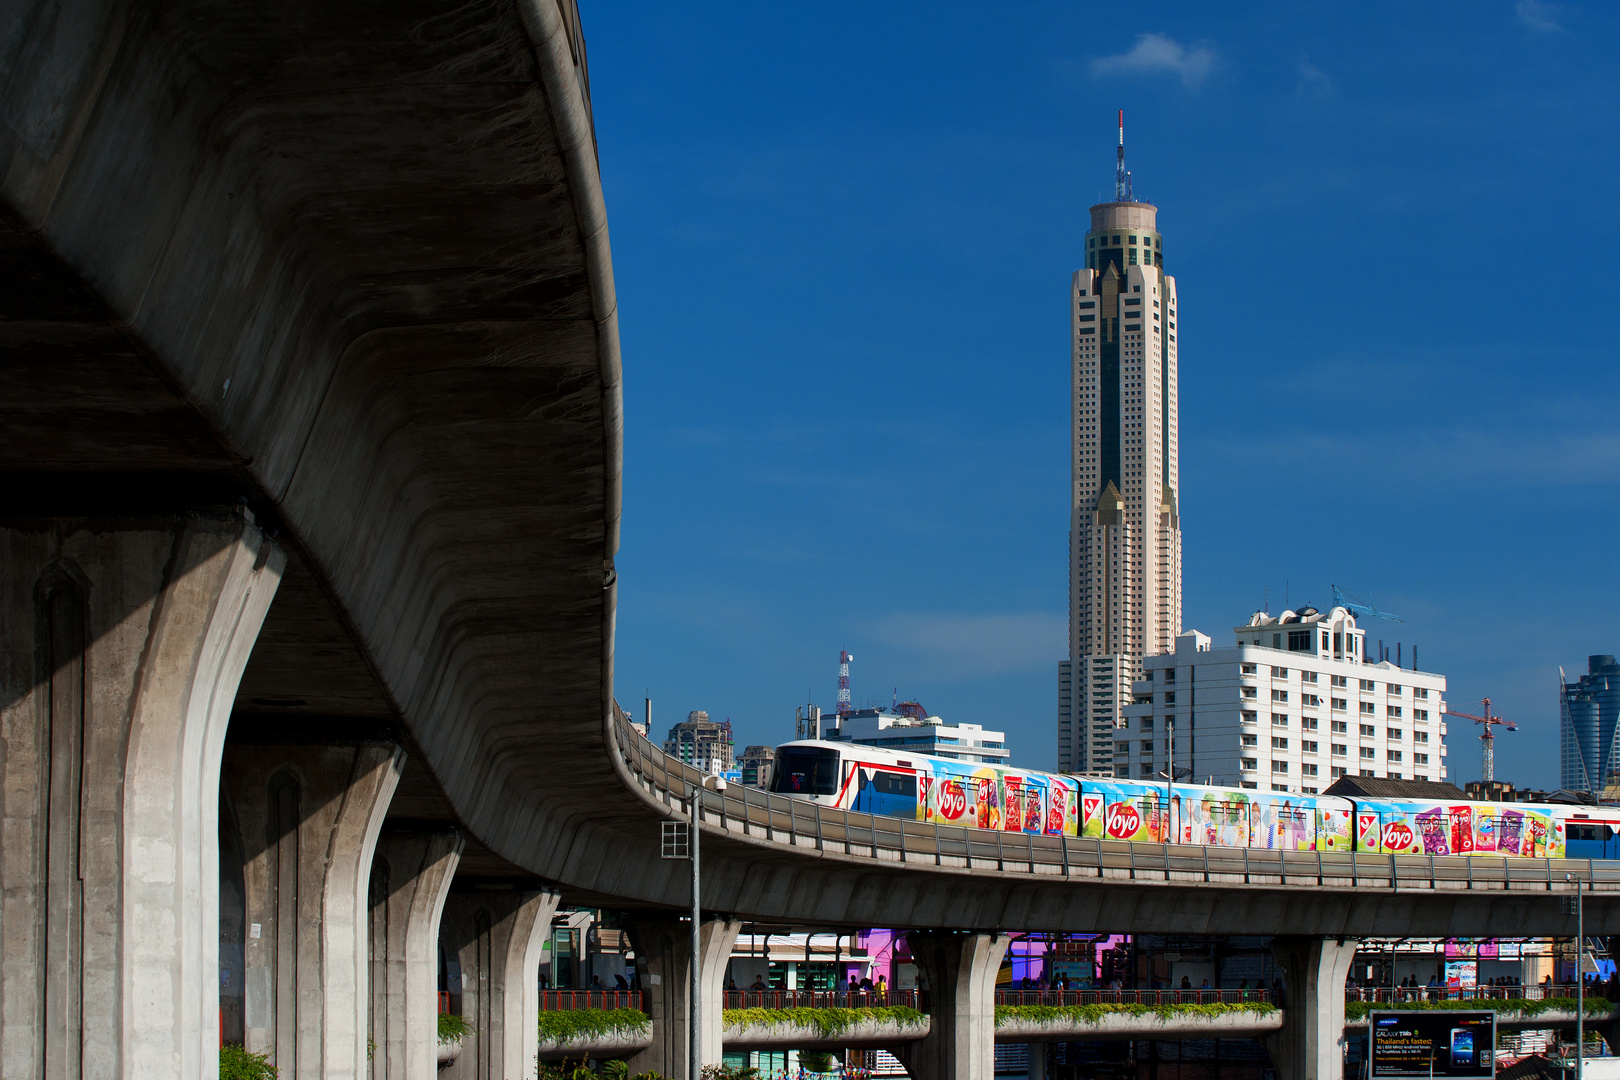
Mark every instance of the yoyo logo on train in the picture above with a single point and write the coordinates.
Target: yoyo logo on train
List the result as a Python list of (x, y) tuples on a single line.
[(1123, 820)]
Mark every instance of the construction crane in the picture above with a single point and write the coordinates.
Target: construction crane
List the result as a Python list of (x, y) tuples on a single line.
[(1369, 610), (1488, 738)]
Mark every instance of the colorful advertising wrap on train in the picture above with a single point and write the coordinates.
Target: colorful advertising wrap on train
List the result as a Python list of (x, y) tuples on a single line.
[(1434, 828), (1212, 818), (987, 798), (1123, 811)]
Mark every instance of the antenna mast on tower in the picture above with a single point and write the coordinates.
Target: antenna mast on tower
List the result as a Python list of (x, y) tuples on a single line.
[(1122, 179), (843, 685)]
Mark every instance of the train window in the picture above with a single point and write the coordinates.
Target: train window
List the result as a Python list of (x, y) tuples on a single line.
[(895, 784), (805, 770)]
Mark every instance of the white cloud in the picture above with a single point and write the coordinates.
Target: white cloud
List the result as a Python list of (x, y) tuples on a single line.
[(978, 645), (1539, 15), (1313, 81), (1154, 53)]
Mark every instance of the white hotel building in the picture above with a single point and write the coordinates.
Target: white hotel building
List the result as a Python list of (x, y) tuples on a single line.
[(1291, 707)]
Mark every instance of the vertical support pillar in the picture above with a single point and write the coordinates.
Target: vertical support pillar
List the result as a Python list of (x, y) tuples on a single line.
[(410, 878), (959, 968), (1310, 1045), (498, 934), (664, 963), (1037, 1060), (310, 816), (122, 643)]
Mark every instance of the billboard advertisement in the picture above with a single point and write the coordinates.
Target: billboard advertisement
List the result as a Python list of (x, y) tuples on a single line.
[(1430, 1044), (1433, 828)]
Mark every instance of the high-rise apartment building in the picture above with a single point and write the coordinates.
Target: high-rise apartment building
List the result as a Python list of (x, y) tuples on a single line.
[(1589, 721), (1125, 531), (1292, 706), (701, 742)]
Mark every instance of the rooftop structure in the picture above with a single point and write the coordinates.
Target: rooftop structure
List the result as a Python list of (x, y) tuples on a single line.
[(701, 742), (910, 727)]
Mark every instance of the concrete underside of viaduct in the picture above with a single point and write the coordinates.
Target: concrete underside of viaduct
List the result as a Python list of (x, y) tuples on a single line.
[(349, 267), (310, 435)]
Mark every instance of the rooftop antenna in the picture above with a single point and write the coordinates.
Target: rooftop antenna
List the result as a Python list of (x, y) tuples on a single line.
[(1122, 179), (844, 657)]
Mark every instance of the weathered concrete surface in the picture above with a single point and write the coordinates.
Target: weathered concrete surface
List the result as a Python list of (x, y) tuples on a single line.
[(497, 933), (308, 818), (663, 962), (959, 972), (1309, 1045), (121, 644), (1119, 1026), (410, 878), (864, 1033), (616, 1045)]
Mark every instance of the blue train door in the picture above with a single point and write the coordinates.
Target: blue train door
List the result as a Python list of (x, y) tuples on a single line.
[(888, 793)]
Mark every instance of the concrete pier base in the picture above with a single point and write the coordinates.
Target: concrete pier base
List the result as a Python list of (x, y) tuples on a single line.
[(308, 818), (663, 960), (410, 878), (122, 643), (1310, 1045), (959, 969), (497, 934)]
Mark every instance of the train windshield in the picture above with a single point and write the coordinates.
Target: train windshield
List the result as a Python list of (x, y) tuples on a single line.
[(805, 770)]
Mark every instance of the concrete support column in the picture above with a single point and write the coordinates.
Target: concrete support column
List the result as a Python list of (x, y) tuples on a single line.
[(309, 816), (122, 643), (410, 878), (1310, 1045), (498, 934), (1037, 1060), (664, 963), (959, 971)]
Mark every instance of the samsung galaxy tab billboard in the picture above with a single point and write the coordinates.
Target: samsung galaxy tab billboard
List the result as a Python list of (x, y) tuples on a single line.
[(1425, 1044)]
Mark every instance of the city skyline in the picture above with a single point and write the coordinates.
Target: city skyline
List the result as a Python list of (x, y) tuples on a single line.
[(847, 417)]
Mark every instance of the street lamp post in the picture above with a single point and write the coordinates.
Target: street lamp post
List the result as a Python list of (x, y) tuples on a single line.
[(681, 842), (1580, 980), (695, 991)]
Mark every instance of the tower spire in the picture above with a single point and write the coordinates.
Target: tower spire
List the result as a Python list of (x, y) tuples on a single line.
[(1122, 179)]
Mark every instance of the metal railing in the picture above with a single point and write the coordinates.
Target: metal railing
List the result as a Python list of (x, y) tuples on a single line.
[(762, 815), (1103, 996), (551, 1000), (1536, 992), (819, 999)]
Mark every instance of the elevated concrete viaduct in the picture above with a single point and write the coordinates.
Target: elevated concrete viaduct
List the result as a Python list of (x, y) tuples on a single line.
[(310, 439)]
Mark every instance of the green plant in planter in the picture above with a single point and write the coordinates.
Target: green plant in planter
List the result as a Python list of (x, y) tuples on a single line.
[(453, 1028), (235, 1063)]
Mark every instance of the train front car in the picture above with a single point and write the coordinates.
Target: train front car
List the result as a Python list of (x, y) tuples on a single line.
[(811, 770)]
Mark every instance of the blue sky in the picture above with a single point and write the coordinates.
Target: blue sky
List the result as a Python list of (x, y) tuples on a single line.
[(842, 238)]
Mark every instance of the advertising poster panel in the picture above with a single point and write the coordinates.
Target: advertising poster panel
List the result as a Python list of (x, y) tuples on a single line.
[(1461, 1045), (1462, 974), (1434, 828), (951, 794), (1133, 812), (1023, 807), (1063, 807), (1282, 821), (1211, 817)]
